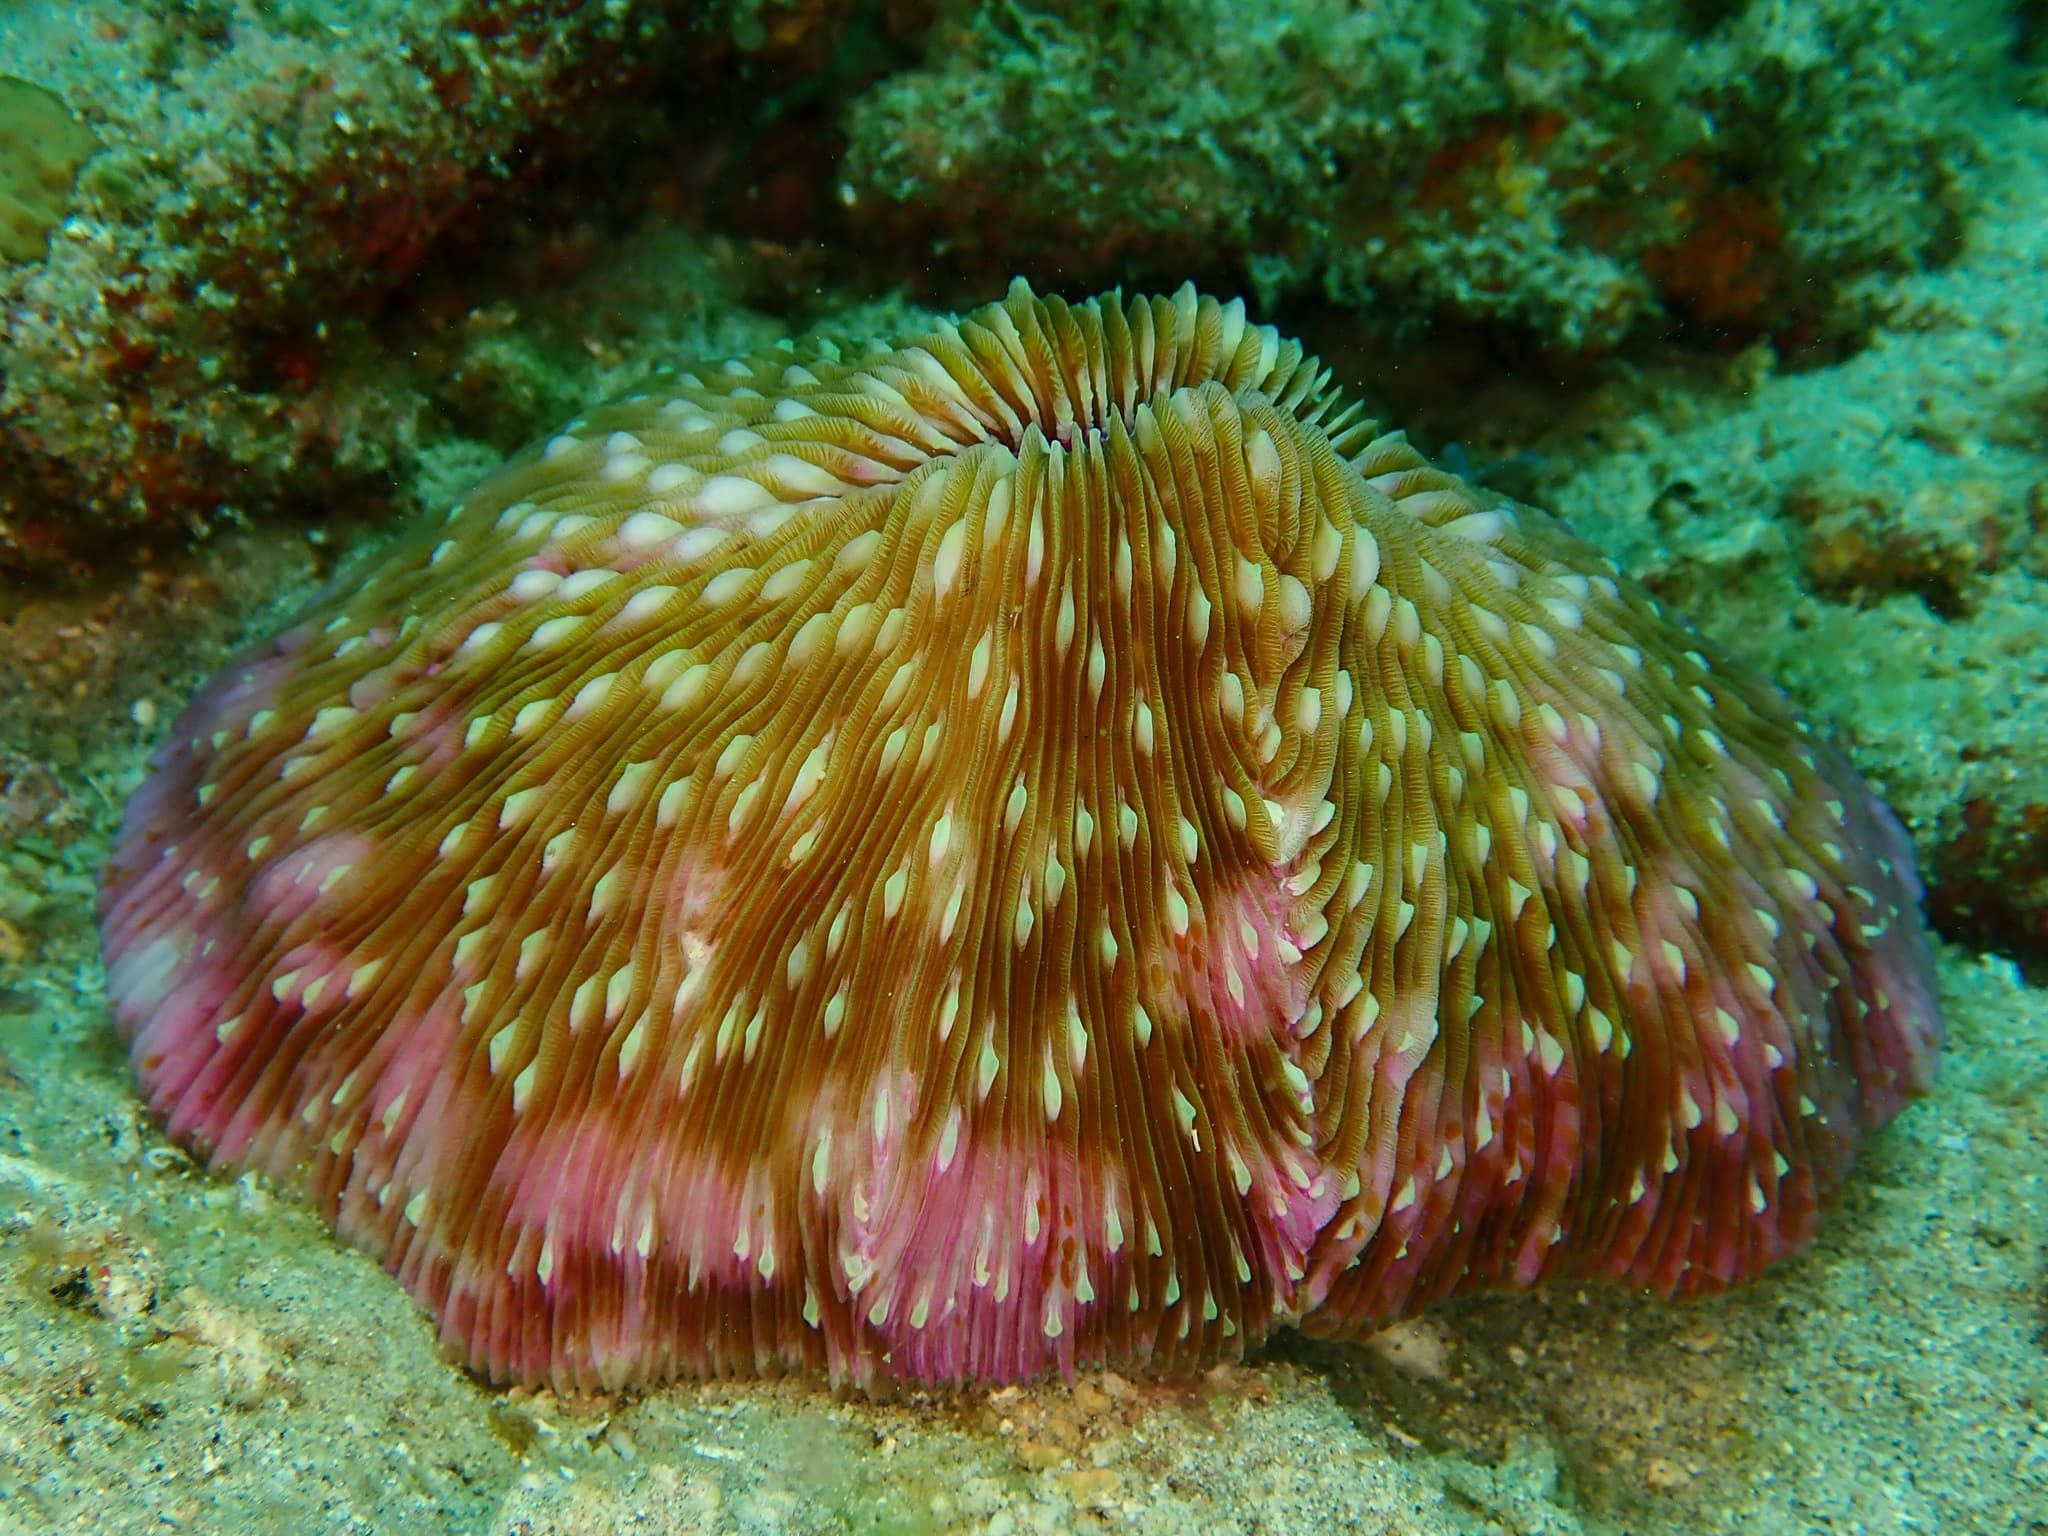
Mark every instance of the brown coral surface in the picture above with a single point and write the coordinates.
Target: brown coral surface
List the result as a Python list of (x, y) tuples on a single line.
[(1050, 843)]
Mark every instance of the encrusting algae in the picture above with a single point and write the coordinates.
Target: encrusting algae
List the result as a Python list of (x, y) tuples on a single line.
[(1051, 843)]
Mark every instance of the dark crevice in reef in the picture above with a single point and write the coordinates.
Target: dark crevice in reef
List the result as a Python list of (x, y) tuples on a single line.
[(2030, 31)]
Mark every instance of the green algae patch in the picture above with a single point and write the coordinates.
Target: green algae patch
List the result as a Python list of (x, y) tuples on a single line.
[(41, 148)]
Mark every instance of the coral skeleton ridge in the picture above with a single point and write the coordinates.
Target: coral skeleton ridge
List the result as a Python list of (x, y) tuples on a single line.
[(1054, 842)]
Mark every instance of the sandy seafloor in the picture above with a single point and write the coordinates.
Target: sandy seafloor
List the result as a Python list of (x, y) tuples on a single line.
[(179, 1351)]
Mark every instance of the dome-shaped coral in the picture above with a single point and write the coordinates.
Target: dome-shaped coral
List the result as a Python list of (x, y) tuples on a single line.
[(1050, 843)]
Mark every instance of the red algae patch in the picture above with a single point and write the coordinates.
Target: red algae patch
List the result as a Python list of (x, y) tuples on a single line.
[(1052, 843)]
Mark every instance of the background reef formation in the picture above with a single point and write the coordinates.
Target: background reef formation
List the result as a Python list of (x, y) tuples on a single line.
[(284, 194), (1048, 844)]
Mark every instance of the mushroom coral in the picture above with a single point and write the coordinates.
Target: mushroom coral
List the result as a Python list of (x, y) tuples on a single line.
[(1053, 842)]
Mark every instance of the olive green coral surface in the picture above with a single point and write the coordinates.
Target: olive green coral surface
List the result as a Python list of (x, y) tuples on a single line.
[(1816, 426), (41, 149)]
